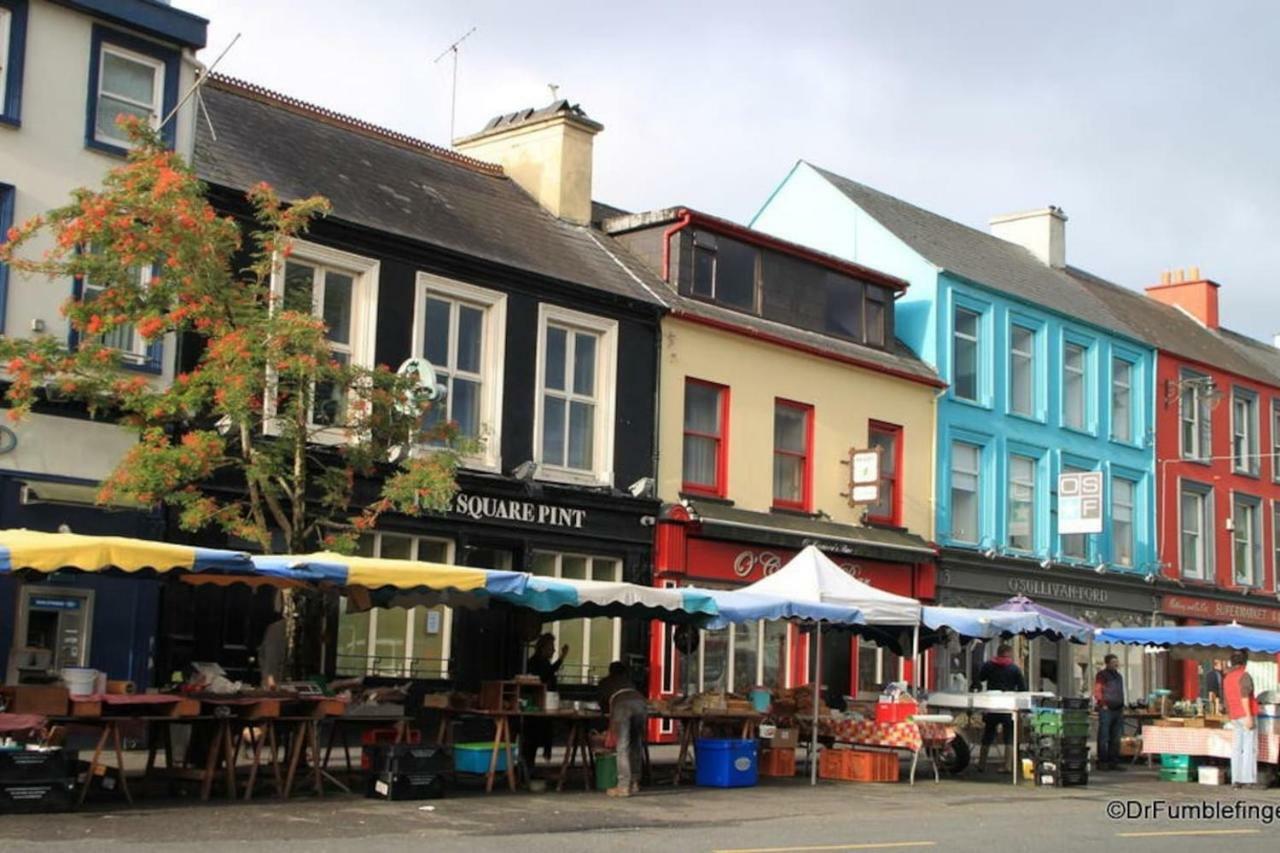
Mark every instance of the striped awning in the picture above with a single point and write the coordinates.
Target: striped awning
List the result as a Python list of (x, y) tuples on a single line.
[(377, 574), (49, 552)]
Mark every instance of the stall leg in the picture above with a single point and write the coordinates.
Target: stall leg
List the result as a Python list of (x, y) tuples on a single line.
[(498, 727), (229, 752), (570, 747), (93, 766), (296, 745), (124, 783), (511, 764), (1013, 760), (255, 741)]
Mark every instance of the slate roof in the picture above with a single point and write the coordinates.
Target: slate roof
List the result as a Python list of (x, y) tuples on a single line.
[(390, 182), (978, 256)]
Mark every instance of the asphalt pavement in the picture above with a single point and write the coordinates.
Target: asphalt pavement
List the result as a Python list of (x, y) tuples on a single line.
[(973, 813)]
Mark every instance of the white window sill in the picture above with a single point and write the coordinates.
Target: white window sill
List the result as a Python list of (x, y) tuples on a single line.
[(491, 465), (570, 476)]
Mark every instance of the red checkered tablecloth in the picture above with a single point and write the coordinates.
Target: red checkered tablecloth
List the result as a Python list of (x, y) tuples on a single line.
[(905, 735), (1212, 743)]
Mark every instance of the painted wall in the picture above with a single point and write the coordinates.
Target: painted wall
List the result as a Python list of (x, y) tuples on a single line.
[(845, 399), (1217, 473)]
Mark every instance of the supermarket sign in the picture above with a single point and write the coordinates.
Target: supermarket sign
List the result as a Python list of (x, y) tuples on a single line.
[(1080, 502), (1213, 610)]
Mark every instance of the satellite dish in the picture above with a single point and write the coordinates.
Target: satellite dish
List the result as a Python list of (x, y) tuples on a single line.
[(426, 386)]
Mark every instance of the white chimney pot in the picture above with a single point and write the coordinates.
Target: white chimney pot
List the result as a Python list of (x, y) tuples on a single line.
[(1041, 232)]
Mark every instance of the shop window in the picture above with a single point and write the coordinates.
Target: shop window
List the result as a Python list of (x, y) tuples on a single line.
[(460, 330), (1123, 493), (576, 379), (792, 454), (396, 641), (1121, 400), (1074, 385), (1195, 409), (1022, 370), (129, 76), (1022, 503), (1246, 540), (876, 667), (1196, 525), (965, 355), (887, 438), (706, 431), (594, 642), (966, 481), (1244, 432)]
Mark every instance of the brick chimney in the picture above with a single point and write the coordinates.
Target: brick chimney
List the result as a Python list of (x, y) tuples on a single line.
[(546, 151), (1041, 232), (1186, 289)]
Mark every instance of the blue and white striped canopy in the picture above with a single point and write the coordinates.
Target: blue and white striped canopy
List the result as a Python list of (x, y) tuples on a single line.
[(736, 605), (564, 598)]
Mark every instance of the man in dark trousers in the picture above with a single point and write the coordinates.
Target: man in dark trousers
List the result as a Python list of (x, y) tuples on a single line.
[(1108, 696), (999, 673), (628, 717)]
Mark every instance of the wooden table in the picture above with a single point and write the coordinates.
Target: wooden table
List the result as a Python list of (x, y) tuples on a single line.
[(401, 723)]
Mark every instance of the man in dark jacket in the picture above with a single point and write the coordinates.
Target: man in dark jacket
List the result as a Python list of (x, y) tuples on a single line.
[(999, 673), (1108, 696)]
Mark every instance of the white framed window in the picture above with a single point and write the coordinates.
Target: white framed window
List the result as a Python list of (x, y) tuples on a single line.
[(401, 642), (133, 348), (129, 83), (576, 382), (1244, 432), (1022, 502), (966, 481), (966, 354), (1074, 385), (461, 330), (1247, 541), (1123, 493), (1022, 370), (1195, 417), (1121, 399), (593, 642), (340, 288), (1195, 505)]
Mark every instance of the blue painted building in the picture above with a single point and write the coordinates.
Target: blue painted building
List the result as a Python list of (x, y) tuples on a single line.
[(1044, 378)]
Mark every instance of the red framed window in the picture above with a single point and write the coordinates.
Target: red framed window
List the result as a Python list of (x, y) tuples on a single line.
[(706, 438), (887, 438), (792, 455)]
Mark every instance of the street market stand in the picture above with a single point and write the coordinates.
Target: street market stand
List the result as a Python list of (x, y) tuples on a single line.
[(917, 738)]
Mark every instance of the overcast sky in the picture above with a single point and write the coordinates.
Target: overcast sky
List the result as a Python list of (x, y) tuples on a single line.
[(1155, 126)]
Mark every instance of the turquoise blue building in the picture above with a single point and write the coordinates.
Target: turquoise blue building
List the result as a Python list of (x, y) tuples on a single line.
[(1043, 379)]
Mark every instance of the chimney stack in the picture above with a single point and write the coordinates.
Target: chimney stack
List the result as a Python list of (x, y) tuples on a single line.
[(1041, 232), (1194, 294), (547, 151)]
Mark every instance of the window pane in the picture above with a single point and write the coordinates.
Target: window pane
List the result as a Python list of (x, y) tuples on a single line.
[(435, 337), (702, 408), (965, 355), (736, 274), (397, 547), (108, 112), (775, 653), (1121, 399), (886, 443), (428, 646), (745, 656), (1022, 494), (329, 404), (789, 428), (965, 460), (788, 478), (581, 435), (704, 270), (353, 642), (470, 336), (298, 283), (1073, 392), (1122, 494), (700, 460), (1074, 545), (557, 344), (844, 307), (1021, 371), (390, 633), (875, 319), (337, 306), (553, 430), (584, 364), (127, 78), (432, 551), (464, 406)]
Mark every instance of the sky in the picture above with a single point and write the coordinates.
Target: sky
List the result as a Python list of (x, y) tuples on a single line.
[(1153, 125)]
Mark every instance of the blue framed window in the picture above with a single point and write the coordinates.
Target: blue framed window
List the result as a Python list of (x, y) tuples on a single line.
[(1124, 501), (969, 350), (136, 353), (129, 76), (1075, 547), (966, 492), (13, 48), (7, 193), (1077, 409)]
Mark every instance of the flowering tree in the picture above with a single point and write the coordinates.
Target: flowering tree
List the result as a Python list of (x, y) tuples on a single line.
[(270, 405)]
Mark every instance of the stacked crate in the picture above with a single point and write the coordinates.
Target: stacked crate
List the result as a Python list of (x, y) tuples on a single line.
[(1177, 768), (1060, 743), (36, 780)]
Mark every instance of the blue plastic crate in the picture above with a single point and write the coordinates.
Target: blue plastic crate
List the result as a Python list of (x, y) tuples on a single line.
[(725, 763), (474, 757)]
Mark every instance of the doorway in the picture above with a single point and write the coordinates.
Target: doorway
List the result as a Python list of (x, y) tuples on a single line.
[(485, 647)]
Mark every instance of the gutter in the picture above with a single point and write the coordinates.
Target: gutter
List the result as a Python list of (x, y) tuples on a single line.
[(685, 216)]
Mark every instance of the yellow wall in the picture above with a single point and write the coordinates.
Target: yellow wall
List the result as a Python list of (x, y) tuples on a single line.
[(844, 399)]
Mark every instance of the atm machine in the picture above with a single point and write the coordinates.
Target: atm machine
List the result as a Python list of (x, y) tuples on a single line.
[(52, 631)]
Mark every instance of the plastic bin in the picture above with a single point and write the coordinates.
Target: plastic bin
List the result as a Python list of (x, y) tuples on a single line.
[(895, 712), (474, 757), (778, 762), (858, 765), (1177, 762), (606, 770), (725, 763)]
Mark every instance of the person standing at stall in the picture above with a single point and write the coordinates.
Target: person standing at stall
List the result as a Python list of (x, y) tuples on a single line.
[(628, 718), (999, 673), (1242, 708), (1108, 695), (536, 733)]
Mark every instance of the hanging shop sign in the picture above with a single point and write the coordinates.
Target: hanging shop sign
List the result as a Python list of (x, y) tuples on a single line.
[(1214, 610), (488, 508), (1080, 502), (864, 476)]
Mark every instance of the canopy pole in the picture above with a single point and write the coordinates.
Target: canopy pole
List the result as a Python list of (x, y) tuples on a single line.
[(817, 680), (915, 657)]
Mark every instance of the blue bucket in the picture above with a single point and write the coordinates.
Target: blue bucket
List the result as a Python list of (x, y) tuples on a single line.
[(760, 699)]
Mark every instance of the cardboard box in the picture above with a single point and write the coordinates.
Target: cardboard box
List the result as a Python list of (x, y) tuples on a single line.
[(783, 738), (1212, 776), (41, 699)]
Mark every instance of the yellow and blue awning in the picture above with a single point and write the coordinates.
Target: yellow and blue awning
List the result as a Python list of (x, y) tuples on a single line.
[(381, 574), (50, 552)]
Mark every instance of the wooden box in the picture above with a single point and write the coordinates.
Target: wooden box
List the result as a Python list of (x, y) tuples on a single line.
[(46, 700), (506, 695)]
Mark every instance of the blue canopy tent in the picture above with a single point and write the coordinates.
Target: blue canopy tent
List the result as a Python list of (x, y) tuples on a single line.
[(1231, 636), (1053, 624), (973, 624), (738, 605)]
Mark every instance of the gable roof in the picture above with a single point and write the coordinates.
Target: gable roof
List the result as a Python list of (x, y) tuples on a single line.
[(400, 185), (979, 257)]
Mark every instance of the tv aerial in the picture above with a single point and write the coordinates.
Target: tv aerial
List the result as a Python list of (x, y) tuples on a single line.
[(453, 97)]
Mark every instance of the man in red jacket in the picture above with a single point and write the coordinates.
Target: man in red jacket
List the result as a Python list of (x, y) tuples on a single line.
[(1242, 708)]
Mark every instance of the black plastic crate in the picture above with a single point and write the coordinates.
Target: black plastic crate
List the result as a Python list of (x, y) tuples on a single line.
[(1072, 779), (32, 797), (405, 758), (1072, 704), (1073, 765), (1074, 742), (405, 786), (29, 765)]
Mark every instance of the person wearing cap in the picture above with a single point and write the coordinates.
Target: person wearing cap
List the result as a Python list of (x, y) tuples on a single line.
[(1242, 708)]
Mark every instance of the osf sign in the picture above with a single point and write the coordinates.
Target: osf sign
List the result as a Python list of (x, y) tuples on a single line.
[(1080, 502)]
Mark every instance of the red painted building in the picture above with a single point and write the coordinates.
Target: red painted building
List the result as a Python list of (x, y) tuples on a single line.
[(1217, 456)]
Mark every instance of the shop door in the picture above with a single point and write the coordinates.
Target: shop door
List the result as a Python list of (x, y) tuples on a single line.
[(484, 646)]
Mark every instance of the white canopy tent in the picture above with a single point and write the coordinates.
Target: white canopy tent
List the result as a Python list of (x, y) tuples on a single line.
[(813, 578)]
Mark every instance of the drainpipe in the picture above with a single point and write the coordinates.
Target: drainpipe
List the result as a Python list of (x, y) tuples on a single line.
[(683, 219)]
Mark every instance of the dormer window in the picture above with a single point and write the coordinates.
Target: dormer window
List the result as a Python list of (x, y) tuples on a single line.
[(725, 271)]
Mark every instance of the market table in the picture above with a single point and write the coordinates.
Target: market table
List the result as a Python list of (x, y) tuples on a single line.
[(908, 735), (401, 723), (1203, 741), (22, 723)]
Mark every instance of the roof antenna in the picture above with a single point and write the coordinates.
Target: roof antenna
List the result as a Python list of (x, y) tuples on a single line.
[(555, 91), (453, 98), (195, 88)]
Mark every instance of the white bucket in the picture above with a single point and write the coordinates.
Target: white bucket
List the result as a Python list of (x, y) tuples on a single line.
[(552, 701), (80, 681)]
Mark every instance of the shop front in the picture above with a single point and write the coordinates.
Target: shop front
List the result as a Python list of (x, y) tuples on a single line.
[(721, 547), (1193, 671), (966, 579)]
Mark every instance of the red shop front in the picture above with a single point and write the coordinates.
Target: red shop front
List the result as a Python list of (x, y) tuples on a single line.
[(1194, 610), (774, 654)]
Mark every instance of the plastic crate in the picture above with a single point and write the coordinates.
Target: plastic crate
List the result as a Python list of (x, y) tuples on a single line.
[(858, 765), (1075, 729), (895, 712), (1073, 704), (778, 762), (1071, 779), (31, 797), (407, 758), (725, 763), (1171, 774), (405, 786), (36, 765), (1177, 762), (474, 758)]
